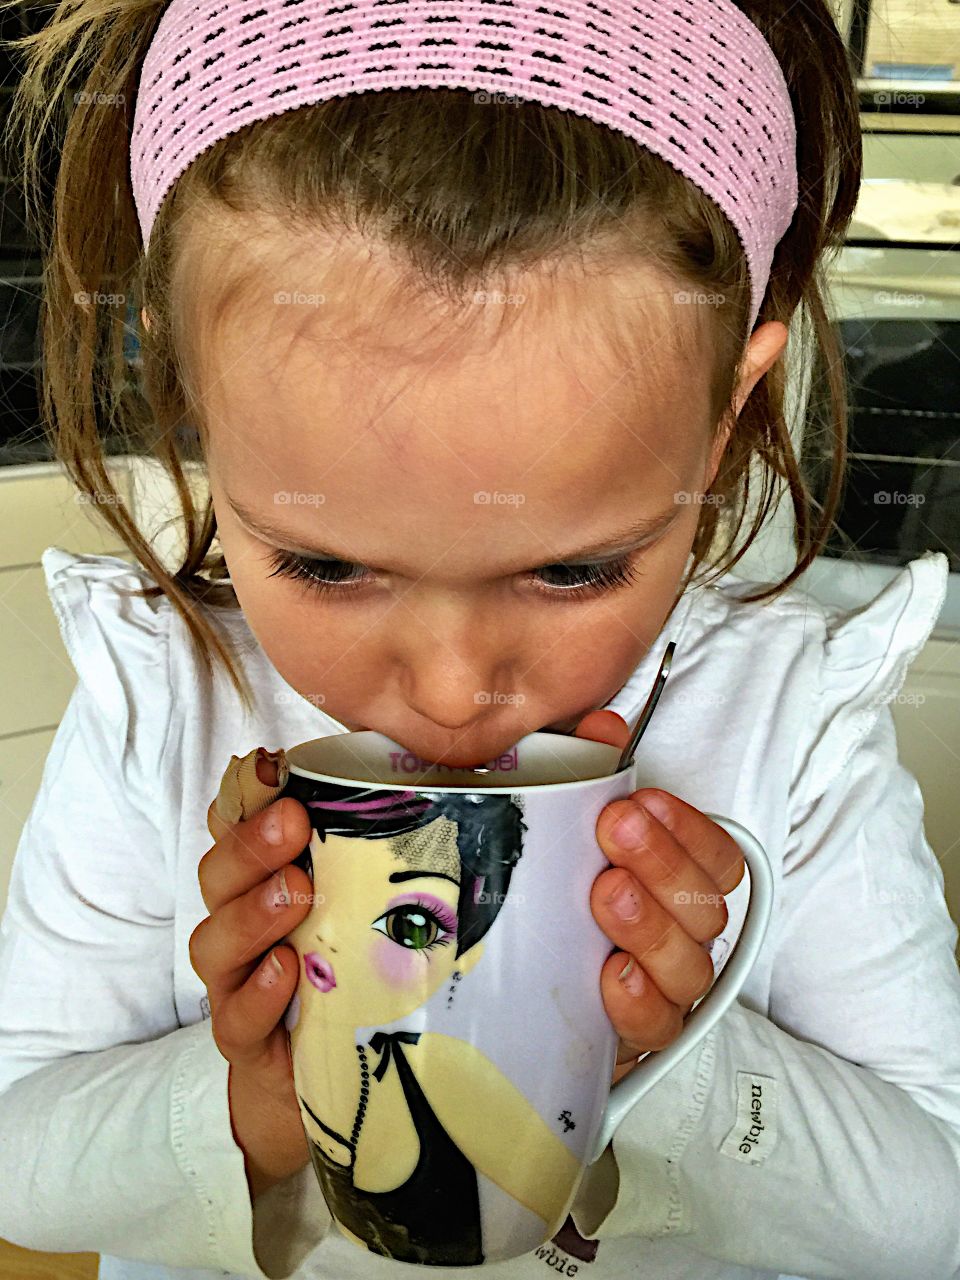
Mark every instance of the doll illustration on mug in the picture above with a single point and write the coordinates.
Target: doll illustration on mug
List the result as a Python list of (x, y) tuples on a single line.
[(406, 884)]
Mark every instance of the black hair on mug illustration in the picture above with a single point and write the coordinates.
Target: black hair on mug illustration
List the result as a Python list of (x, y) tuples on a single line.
[(488, 837), (386, 958)]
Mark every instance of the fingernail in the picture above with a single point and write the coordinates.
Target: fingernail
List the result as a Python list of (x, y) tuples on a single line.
[(281, 898), (656, 804), (266, 767), (271, 825), (631, 830), (625, 902), (631, 975), (268, 970)]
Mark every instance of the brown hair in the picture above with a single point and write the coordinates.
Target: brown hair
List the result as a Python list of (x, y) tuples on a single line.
[(417, 171)]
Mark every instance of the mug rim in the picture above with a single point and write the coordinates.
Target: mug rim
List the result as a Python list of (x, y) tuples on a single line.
[(410, 784)]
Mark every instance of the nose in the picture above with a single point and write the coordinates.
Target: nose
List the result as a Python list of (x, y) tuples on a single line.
[(444, 717), (456, 675), (458, 704)]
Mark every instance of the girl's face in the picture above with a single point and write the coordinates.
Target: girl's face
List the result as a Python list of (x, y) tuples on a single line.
[(458, 503), (380, 937)]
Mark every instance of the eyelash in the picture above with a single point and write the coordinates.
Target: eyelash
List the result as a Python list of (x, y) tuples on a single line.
[(600, 578)]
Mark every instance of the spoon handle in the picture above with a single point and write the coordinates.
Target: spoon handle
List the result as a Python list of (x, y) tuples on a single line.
[(626, 756)]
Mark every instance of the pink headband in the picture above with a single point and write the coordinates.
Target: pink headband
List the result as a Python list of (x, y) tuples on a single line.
[(692, 80)]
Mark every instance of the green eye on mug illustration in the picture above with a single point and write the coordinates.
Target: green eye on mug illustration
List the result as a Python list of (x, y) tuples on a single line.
[(419, 925)]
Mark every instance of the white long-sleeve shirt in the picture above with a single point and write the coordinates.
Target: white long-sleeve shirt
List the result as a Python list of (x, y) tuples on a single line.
[(115, 1132)]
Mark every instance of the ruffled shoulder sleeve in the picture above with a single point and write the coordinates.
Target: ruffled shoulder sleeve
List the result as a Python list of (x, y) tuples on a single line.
[(117, 641), (863, 658)]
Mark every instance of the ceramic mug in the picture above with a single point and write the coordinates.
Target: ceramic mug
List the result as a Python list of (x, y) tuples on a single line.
[(451, 1053)]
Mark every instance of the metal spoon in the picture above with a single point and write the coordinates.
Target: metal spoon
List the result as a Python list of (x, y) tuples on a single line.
[(626, 756)]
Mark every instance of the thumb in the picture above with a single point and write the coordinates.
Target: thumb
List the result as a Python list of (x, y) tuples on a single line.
[(604, 726)]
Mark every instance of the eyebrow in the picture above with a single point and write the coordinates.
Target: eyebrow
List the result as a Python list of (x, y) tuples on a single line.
[(397, 876), (629, 539)]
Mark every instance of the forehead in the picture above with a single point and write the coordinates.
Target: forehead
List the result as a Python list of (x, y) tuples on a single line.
[(326, 369)]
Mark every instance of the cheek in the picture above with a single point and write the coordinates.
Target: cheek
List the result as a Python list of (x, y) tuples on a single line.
[(397, 967), (592, 670)]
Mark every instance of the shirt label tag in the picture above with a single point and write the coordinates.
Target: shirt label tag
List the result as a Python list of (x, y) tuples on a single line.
[(754, 1134)]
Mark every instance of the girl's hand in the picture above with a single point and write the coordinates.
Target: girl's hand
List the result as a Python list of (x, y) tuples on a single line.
[(248, 995), (673, 874)]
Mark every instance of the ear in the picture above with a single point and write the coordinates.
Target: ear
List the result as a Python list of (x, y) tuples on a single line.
[(145, 317), (765, 347)]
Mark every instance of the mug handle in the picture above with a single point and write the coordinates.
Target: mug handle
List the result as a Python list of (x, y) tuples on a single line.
[(711, 1006)]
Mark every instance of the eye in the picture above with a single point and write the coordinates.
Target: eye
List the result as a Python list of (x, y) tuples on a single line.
[(414, 926), (589, 579), (319, 575), (334, 576)]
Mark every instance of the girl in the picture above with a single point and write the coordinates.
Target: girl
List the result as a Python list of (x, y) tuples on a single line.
[(475, 316)]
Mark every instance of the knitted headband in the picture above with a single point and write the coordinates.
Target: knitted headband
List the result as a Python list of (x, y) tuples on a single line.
[(692, 80)]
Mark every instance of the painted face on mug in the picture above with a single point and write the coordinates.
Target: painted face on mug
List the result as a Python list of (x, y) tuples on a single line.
[(381, 936)]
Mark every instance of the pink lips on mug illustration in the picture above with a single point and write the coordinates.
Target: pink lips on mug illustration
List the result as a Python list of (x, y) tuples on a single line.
[(319, 971)]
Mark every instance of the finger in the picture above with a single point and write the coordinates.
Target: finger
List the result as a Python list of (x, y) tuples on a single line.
[(246, 853), (604, 726), (244, 1020), (622, 1068), (226, 947), (662, 865), (643, 1018), (635, 922), (249, 784), (708, 844)]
